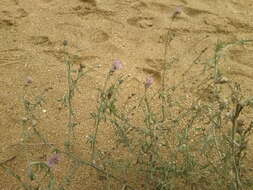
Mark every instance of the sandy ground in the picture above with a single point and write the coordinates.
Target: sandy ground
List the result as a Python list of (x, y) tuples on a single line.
[(98, 32)]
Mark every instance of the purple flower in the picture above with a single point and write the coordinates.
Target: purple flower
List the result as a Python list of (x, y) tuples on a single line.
[(149, 82), (177, 12), (117, 65), (53, 160)]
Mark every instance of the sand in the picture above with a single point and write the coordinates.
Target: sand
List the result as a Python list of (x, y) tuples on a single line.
[(99, 32)]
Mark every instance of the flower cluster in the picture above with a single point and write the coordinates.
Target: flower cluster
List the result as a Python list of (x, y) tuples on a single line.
[(117, 65), (149, 82), (177, 12), (53, 160)]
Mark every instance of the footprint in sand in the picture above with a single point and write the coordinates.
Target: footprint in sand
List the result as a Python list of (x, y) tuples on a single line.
[(242, 66), (84, 9), (153, 67), (156, 64), (192, 12), (243, 57), (161, 8), (99, 36), (139, 5), (40, 40), (21, 13), (47, 1), (8, 18), (12, 56), (92, 2), (141, 22), (60, 55), (7, 23)]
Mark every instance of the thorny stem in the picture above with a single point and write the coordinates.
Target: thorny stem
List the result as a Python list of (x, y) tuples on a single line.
[(216, 58), (93, 143), (98, 117), (82, 162), (149, 124), (69, 99), (238, 109), (163, 75), (167, 42)]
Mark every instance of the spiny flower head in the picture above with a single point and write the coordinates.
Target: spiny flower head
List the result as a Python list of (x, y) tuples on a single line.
[(177, 12), (149, 82), (117, 65), (53, 160)]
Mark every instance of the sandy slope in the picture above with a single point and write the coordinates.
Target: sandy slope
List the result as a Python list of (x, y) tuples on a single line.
[(98, 32)]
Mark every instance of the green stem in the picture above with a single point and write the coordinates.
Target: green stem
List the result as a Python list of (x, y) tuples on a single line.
[(98, 117)]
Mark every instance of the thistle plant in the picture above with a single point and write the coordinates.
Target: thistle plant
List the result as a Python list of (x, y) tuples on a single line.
[(106, 103), (200, 145)]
